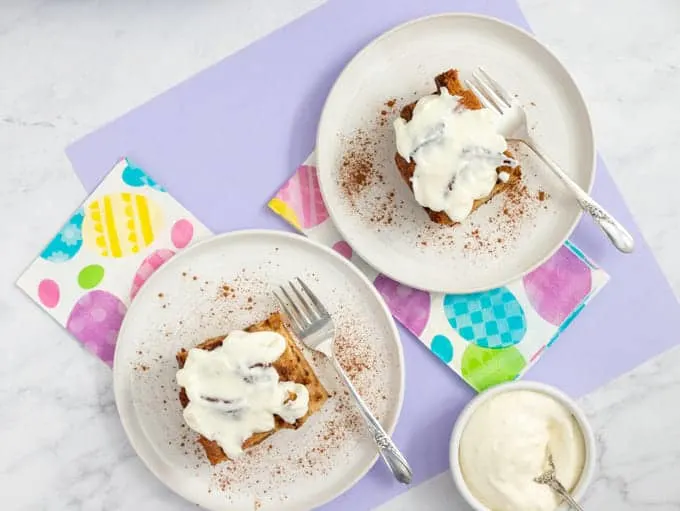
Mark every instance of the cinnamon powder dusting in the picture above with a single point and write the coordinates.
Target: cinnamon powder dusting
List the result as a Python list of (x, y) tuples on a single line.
[(357, 170), (352, 361), (518, 205), (361, 176)]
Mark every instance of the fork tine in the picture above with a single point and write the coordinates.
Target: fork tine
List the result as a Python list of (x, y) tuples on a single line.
[(485, 101), (300, 315), (311, 313), (317, 303), (293, 319), (498, 89), (489, 93)]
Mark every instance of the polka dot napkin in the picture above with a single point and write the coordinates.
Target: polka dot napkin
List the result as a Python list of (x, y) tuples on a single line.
[(487, 338), (86, 277)]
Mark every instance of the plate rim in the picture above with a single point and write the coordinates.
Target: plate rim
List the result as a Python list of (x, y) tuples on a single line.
[(119, 374), (323, 120)]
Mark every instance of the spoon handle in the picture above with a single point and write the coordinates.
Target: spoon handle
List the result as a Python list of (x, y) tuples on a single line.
[(562, 491)]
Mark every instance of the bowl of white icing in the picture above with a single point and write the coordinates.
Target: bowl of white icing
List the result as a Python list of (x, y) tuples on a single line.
[(502, 441)]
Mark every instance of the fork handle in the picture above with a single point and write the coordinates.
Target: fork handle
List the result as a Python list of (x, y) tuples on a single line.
[(389, 452), (617, 234)]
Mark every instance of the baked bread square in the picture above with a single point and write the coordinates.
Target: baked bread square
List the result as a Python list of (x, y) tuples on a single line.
[(291, 366), (451, 81)]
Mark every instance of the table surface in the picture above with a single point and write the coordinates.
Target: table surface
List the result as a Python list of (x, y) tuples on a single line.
[(69, 67)]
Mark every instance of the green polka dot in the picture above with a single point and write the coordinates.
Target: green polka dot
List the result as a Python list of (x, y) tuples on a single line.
[(442, 347), (483, 368), (90, 276)]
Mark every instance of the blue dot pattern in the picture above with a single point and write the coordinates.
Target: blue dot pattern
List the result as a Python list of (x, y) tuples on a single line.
[(134, 176), (492, 319), (442, 347), (67, 242)]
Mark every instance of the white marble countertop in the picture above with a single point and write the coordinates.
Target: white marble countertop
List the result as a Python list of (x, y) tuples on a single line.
[(68, 67)]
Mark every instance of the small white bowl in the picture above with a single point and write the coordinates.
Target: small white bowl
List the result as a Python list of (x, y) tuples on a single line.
[(570, 404)]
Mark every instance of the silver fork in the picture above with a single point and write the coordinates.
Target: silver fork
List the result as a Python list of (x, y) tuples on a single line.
[(513, 126), (314, 326)]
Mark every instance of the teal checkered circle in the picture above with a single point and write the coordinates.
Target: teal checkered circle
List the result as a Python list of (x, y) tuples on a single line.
[(491, 319)]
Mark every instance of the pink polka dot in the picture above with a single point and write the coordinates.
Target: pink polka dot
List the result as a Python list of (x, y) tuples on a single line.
[(557, 287), (85, 300), (48, 293), (410, 306), (95, 321), (121, 308), (77, 325), (145, 270), (343, 248), (98, 315), (181, 233), (110, 337), (303, 195), (148, 266)]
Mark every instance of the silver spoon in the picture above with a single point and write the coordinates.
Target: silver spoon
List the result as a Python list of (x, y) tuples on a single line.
[(548, 478)]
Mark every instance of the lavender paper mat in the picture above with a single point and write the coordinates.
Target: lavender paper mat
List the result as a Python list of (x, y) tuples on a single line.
[(181, 136)]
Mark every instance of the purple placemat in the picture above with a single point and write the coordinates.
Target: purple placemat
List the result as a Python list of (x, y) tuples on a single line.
[(225, 139)]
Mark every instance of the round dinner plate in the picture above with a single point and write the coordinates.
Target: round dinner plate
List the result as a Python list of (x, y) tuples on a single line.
[(373, 208), (225, 283)]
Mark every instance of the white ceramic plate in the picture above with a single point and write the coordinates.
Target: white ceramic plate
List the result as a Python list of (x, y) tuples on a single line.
[(507, 237), (186, 301)]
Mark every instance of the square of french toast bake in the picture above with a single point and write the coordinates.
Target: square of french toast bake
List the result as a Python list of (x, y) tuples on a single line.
[(291, 366), (450, 81)]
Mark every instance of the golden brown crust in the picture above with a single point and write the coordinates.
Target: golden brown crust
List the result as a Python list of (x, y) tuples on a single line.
[(451, 82), (291, 366)]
